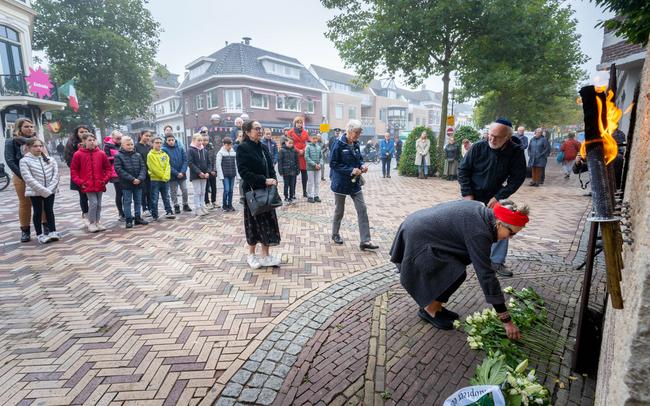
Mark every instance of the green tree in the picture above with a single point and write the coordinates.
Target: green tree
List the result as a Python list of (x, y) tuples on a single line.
[(108, 46), (633, 19), (406, 166), (524, 61), (413, 38), (466, 132)]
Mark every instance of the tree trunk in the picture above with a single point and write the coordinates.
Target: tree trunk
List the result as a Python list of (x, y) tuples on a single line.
[(443, 112), (101, 122)]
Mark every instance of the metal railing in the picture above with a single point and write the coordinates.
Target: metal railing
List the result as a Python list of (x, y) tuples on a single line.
[(368, 121), (15, 85)]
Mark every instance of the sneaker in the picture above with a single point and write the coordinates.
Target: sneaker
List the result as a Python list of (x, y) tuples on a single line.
[(84, 218), (230, 208), (92, 228), (122, 218), (42, 238), (169, 216), (205, 209), (317, 199), (146, 213), (100, 226), (129, 223), (140, 221), (270, 261), (177, 209), (155, 218), (215, 206), (209, 206), (438, 321), (54, 236), (186, 207), (253, 262), (502, 270), (310, 200)]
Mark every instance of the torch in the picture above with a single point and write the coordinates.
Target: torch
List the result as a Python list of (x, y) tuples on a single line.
[(601, 118)]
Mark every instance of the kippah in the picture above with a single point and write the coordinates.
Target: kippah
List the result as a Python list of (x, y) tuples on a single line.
[(503, 121)]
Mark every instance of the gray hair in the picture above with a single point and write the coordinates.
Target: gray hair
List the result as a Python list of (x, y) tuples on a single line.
[(510, 130), (125, 138), (115, 132), (353, 125), (239, 120)]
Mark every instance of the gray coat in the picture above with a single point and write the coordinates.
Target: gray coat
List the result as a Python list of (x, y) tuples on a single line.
[(538, 151), (433, 246)]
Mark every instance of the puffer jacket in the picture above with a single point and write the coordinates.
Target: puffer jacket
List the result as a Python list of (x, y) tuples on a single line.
[(313, 156), (90, 170), (212, 156), (227, 164), (198, 161), (111, 150), (343, 159), (129, 166), (300, 140), (177, 159), (41, 177), (14, 153), (288, 162), (71, 147)]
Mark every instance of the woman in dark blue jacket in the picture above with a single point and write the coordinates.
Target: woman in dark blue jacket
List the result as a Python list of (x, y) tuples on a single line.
[(346, 167)]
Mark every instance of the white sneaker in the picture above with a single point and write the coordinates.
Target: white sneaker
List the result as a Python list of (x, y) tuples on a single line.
[(92, 228), (146, 213), (42, 238), (100, 226), (84, 218), (270, 261), (253, 261), (215, 206), (53, 236)]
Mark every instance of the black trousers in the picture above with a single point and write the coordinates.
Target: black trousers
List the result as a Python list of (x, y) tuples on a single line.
[(38, 205), (444, 297), (211, 190), (83, 202), (146, 194), (303, 178), (385, 165), (289, 187), (118, 198)]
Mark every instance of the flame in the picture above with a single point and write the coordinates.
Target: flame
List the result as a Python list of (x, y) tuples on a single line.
[(628, 109), (607, 129)]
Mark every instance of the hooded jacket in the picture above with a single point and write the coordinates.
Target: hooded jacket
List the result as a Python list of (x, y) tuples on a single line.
[(288, 162), (177, 159), (90, 170), (129, 166), (198, 161), (158, 166), (227, 163), (343, 159), (300, 144), (313, 156), (41, 178), (111, 150)]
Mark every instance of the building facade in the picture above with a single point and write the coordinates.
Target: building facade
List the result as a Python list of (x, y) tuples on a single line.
[(240, 79), (16, 23), (168, 107)]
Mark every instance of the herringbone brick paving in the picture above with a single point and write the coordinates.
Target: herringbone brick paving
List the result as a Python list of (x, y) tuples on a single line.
[(160, 314)]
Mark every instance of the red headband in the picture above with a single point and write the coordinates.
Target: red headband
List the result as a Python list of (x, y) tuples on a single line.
[(514, 218)]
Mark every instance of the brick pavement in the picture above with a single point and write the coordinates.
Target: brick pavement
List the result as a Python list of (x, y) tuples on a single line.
[(170, 314)]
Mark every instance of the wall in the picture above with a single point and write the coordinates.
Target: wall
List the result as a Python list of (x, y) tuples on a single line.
[(624, 370), (347, 100), (382, 103)]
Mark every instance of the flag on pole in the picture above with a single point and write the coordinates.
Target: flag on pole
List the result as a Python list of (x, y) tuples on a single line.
[(67, 89)]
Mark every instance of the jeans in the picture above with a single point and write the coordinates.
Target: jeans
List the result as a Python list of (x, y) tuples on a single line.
[(198, 185), (211, 190), (289, 187), (423, 170), (499, 252), (135, 196), (228, 185), (362, 215), (173, 185), (94, 207), (385, 165), (40, 205), (313, 183), (118, 198), (159, 187)]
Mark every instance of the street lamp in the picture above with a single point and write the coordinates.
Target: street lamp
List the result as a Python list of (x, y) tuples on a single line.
[(196, 121)]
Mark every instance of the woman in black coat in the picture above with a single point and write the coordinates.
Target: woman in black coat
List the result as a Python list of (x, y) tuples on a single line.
[(255, 166), (433, 246), (70, 148)]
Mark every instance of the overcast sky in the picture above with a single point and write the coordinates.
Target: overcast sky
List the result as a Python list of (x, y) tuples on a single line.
[(296, 29)]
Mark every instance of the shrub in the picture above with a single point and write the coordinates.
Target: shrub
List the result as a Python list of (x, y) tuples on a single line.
[(406, 165), (466, 132)]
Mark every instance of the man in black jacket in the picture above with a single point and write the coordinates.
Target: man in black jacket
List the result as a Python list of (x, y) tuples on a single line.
[(492, 170), (143, 148)]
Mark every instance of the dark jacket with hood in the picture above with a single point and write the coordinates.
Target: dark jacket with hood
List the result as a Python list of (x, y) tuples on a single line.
[(130, 166), (199, 161), (251, 157), (343, 159), (288, 162), (14, 153), (177, 159)]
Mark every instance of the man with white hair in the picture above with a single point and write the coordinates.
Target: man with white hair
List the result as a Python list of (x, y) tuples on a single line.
[(238, 123), (492, 170), (346, 168)]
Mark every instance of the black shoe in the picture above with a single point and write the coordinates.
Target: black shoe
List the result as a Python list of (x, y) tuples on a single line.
[(310, 200), (154, 218), (25, 234), (129, 223), (368, 246), (438, 322), (304, 195), (502, 270), (177, 209), (388, 176), (337, 239), (317, 199), (287, 200), (122, 219), (448, 314), (186, 207), (140, 221)]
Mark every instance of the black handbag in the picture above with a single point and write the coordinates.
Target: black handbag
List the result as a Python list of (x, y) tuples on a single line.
[(264, 199)]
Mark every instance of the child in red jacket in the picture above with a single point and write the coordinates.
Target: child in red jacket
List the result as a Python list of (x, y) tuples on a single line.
[(91, 170)]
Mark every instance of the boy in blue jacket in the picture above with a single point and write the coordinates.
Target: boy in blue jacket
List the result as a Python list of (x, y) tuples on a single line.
[(178, 163)]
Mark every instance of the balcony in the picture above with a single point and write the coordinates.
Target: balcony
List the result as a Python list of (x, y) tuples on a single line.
[(15, 85)]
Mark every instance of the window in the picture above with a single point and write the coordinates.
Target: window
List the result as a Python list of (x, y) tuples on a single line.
[(198, 102), (211, 99), (310, 106), (337, 86), (160, 109), (352, 112), (382, 115), (172, 105), (187, 106), (199, 70), (11, 62), (391, 94), (232, 100), (280, 69), (259, 101), (289, 103), (338, 112)]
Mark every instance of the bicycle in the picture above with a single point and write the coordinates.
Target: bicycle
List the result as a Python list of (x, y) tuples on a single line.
[(4, 178)]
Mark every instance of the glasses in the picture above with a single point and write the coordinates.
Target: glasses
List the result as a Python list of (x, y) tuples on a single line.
[(510, 230), (257, 128)]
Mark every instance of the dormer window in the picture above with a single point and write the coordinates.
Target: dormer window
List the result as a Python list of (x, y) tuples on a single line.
[(279, 67), (199, 70)]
